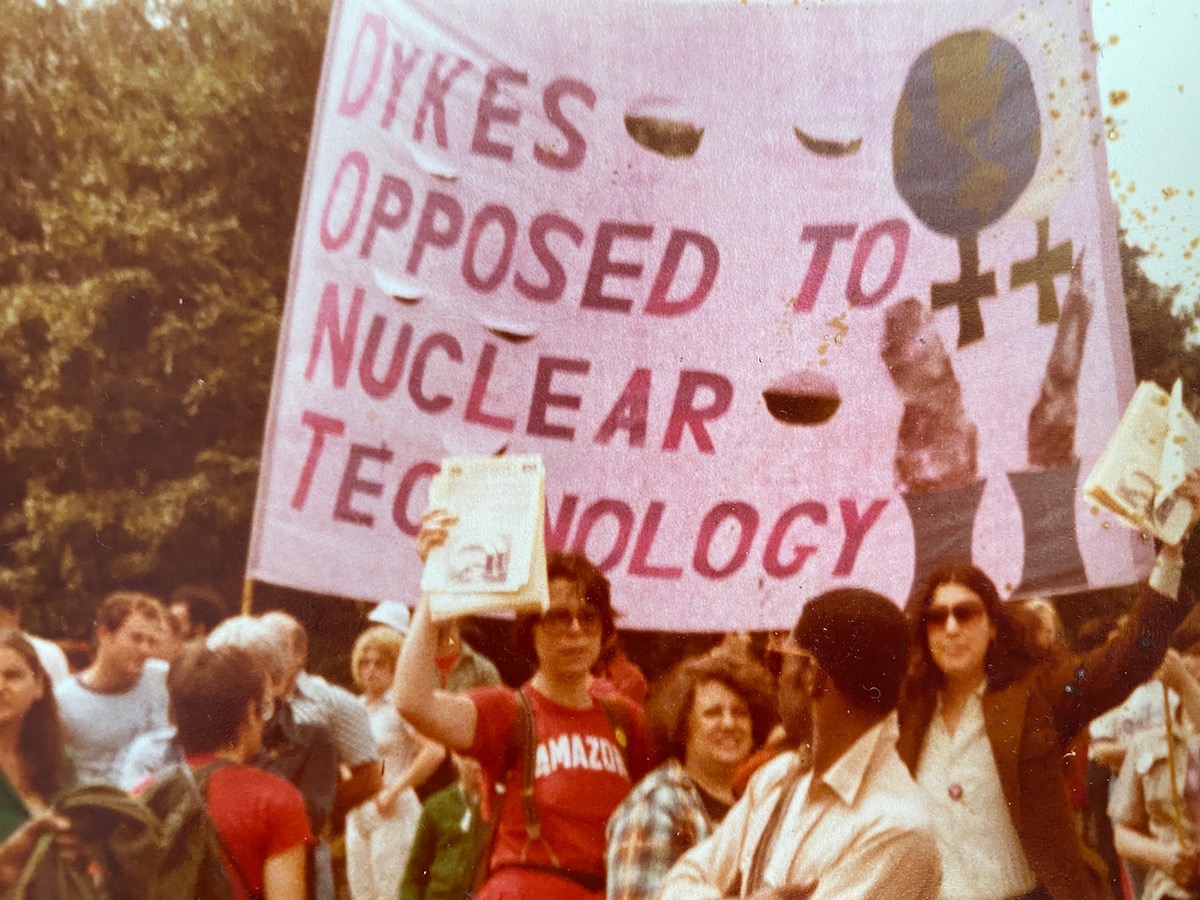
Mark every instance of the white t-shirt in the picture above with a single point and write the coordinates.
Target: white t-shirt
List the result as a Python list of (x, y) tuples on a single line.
[(51, 656), (99, 727)]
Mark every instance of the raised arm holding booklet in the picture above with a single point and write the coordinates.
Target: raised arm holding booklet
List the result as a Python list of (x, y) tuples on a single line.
[(495, 556), (1148, 473)]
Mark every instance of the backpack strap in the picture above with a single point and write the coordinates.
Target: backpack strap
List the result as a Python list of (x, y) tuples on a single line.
[(523, 727), (199, 778), (521, 736), (617, 714)]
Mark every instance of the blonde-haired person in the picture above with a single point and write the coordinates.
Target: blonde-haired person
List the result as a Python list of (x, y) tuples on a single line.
[(380, 832)]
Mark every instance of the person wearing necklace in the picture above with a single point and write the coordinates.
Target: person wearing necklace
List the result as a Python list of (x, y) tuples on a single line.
[(708, 714), (985, 717)]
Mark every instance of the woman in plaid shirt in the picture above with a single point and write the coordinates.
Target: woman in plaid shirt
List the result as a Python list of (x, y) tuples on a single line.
[(707, 716)]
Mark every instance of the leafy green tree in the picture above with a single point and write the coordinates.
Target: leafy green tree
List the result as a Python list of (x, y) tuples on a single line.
[(151, 167), (1161, 327), (151, 160)]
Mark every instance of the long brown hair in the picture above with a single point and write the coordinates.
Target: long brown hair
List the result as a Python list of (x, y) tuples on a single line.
[(1012, 652), (40, 744)]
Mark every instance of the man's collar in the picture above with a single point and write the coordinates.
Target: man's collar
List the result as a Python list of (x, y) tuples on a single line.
[(845, 777)]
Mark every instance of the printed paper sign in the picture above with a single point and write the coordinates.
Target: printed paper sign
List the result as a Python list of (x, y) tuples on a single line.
[(495, 556), (782, 294), (1147, 475)]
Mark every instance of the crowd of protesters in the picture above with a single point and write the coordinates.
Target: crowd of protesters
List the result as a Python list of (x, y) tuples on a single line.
[(953, 748)]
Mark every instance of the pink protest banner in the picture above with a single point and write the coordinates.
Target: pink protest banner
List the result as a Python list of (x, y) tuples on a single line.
[(782, 294)]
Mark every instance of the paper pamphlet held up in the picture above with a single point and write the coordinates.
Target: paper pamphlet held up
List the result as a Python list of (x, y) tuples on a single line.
[(1154, 454), (495, 556)]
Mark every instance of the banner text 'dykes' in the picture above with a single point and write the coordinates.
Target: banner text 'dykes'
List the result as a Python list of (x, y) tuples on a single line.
[(492, 231)]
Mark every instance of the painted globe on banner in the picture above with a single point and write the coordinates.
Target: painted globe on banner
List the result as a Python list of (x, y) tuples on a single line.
[(967, 133)]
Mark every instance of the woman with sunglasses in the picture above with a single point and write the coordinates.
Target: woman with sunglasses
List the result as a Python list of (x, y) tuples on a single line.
[(986, 716), (587, 752)]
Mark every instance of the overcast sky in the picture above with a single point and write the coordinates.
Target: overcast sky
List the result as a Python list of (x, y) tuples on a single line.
[(1149, 52)]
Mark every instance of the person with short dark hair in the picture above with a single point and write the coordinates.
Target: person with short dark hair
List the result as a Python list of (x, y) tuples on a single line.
[(197, 610), (705, 716), (122, 694), (219, 700), (853, 825), (986, 716), (581, 772), (192, 613)]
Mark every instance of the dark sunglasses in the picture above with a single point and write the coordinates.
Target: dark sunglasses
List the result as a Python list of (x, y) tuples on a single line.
[(938, 616), (561, 619)]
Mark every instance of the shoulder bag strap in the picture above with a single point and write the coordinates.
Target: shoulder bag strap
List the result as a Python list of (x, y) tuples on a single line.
[(618, 719), (199, 780), (533, 822), (520, 737), (766, 842)]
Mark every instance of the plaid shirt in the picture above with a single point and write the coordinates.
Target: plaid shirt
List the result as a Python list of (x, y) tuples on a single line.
[(660, 820)]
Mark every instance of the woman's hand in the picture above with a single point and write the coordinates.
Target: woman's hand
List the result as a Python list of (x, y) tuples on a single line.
[(15, 851), (435, 528)]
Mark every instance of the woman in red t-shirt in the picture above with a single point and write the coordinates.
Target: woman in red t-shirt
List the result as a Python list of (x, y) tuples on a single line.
[(584, 760)]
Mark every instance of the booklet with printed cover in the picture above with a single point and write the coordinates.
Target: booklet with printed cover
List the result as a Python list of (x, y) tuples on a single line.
[(1154, 452), (495, 556)]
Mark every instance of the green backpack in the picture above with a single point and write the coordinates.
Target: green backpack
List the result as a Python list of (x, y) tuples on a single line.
[(114, 831), (192, 851)]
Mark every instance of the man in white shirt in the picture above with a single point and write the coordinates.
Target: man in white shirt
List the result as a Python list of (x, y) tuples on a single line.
[(853, 825), (123, 693)]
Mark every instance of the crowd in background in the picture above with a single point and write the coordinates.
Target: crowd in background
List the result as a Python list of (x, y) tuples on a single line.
[(1012, 764)]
